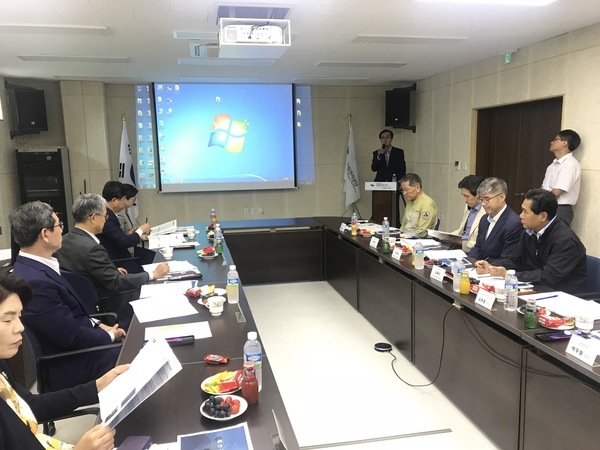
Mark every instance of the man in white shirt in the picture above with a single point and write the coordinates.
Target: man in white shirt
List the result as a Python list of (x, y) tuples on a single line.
[(563, 176)]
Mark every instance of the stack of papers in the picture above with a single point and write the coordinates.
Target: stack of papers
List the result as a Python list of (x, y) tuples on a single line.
[(176, 240), (165, 228), (178, 270)]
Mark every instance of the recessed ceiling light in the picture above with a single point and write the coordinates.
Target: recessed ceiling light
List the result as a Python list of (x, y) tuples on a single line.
[(494, 2)]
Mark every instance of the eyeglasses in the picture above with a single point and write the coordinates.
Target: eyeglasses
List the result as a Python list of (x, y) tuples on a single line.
[(59, 224), (99, 215), (407, 189), (486, 200), (557, 139)]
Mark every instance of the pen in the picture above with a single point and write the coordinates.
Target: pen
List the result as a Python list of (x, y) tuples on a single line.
[(544, 298), (146, 220), (183, 340)]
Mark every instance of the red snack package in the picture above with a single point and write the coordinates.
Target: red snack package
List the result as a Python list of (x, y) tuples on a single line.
[(216, 359)]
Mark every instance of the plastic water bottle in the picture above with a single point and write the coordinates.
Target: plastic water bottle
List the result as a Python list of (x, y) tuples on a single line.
[(456, 267), (419, 256), (218, 239), (354, 224), (212, 218), (385, 235), (233, 285), (253, 352), (512, 291), (394, 178)]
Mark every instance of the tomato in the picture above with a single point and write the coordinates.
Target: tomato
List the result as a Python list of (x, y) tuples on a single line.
[(229, 400), (235, 408)]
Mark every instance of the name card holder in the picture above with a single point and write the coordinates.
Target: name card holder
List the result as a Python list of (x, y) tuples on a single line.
[(397, 253), (485, 299), (438, 273), (584, 349), (374, 242)]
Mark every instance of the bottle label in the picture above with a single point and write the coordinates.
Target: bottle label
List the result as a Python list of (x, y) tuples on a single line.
[(235, 281), (256, 359)]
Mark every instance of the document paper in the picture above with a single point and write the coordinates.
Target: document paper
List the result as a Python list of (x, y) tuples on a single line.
[(154, 365)]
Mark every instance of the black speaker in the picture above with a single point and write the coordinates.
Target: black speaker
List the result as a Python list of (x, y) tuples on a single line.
[(400, 108), (28, 109)]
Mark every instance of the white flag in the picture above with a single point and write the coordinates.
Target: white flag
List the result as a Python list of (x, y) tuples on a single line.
[(351, 187), (126, 173)]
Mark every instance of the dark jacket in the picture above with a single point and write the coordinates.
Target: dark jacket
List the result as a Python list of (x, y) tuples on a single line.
[(395, 166), (502, 239)]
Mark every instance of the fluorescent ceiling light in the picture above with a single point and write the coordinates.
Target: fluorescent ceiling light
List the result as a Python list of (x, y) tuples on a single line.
[(494, 2), (76, 59)]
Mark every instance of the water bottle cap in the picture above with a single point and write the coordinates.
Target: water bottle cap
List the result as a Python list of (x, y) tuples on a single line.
[(232, 267), (252, 335), (385, 218), (511, 272)]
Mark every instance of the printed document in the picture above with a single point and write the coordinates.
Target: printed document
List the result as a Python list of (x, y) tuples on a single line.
[(154, 365)]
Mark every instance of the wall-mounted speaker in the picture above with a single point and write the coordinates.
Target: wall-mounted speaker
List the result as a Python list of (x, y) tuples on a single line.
[(400, 108), (28, 111)]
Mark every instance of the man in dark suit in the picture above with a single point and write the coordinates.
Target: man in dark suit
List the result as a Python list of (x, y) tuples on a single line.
[(82, 253), (56, 313), (500, 229), (387, 160), (112, 237)]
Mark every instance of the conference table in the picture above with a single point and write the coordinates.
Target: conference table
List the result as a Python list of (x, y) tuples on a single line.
[(523, 393), (175, 408)]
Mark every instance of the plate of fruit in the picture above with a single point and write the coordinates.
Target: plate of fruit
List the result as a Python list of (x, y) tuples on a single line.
[(223, 408), (225, 382), (406, 250), (208, 252)]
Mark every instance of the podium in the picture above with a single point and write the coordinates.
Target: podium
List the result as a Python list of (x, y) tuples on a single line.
[(384, 198)]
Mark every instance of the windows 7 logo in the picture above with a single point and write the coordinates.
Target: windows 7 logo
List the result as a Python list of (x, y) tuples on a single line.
[(227, 133)]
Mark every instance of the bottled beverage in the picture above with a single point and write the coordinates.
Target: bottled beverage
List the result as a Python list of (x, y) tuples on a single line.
[(249, 383), (354, 224), (253, 352), (457, 268), (465, 283), (394, 178), (418, 256), (385, 235), (218, 240), (233, 285), (512, 291), (530, 317), (213, 219)]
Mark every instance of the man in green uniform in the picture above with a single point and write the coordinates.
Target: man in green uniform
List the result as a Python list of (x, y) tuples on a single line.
[(421, 210)]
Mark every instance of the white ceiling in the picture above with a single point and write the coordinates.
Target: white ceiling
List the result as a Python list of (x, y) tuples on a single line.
[(130, 41)]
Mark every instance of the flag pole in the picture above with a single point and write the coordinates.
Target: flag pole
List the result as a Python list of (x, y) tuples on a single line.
[(353, 204)]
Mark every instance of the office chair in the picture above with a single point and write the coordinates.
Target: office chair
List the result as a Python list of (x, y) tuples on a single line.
[(592, 288), (437, 224), (42, 363), (85, 288)]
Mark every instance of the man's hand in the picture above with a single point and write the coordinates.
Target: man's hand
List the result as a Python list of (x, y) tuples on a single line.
[(161, 270), (118, 333), (107, 378), (482, 266), (145, 227), (123, 271), (98, 438)]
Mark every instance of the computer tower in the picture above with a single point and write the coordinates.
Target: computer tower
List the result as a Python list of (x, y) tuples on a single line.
[(44, 175)]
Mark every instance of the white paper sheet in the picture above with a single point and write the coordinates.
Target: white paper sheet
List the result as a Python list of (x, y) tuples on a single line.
[(163, 228), (178, 269), (199, 330), (563, 304), (153, 366), (157, 308), (168, 240), (170, 288)]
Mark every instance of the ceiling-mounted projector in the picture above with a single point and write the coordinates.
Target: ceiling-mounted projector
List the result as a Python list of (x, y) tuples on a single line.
[(253, 34)]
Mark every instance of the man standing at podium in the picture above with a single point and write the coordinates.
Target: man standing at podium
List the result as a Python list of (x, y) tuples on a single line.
[(387, 160)]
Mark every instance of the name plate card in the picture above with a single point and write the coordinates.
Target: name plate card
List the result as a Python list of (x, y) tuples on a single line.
[(584, 349), (374, 242), (397, 253), (344, 227), (485, 298), (437, 273)]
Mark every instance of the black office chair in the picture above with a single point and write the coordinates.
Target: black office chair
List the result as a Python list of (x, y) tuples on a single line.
[(42, 364), (592, 287), (437, 224), (85, 288)]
